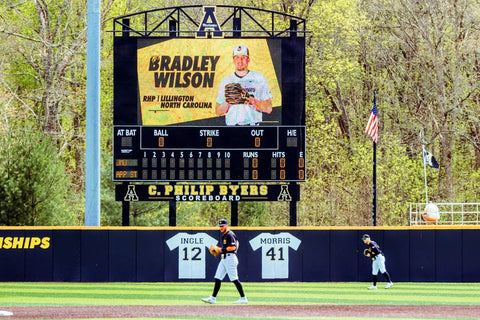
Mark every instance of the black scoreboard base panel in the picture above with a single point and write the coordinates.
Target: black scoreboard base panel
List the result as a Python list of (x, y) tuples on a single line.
[(207, 192)]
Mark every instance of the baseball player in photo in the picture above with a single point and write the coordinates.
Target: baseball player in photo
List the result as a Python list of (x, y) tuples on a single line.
[(378, 261), (228, 263), (244, 95)]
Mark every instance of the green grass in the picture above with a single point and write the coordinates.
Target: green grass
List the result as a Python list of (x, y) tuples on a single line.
[(267, 293), (16, 294)]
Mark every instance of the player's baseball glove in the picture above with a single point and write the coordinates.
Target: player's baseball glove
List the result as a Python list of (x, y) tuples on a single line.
[(235, 94), (214, 250), (367, 253)]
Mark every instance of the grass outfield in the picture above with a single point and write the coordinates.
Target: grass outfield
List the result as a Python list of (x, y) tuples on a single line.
[(20, 294), (264, 293)]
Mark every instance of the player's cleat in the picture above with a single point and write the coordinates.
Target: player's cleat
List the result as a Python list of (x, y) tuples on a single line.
[(372, 288), (389, 285), (211, 300), (242, 300)]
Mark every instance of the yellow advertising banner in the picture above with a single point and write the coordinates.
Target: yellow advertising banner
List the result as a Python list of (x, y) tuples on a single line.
[(178, 79)]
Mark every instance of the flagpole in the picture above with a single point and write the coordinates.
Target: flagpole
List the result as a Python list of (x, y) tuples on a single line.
[(374, 200), (425, 173), (374, 176), (372, 131)]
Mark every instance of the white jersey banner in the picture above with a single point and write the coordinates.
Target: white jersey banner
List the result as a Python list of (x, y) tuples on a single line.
[(191, 253), (275, 253)]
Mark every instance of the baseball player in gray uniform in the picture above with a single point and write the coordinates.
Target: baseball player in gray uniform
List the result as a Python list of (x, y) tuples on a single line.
[(227, 265), (254, 83), (378, 261)]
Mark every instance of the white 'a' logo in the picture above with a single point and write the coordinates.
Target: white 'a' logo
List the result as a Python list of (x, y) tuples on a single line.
[(284, 194), (131, 194), (209, 22)]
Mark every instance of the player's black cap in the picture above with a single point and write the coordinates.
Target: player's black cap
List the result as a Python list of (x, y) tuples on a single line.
[(222, 222), (365, 236)]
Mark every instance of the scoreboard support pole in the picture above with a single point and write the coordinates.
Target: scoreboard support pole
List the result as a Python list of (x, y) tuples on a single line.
[(293, 210), (293, 213), (234, 213), (172, 213), (125, 213)]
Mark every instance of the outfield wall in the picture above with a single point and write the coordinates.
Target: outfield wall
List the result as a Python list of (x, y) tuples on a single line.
[(96, 254)]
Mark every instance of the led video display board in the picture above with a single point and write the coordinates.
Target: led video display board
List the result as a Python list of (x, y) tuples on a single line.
[(175, 120)]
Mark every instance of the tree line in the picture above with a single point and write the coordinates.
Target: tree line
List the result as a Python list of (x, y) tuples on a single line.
[(421, 57)]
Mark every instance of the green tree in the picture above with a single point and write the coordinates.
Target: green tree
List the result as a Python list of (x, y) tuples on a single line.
[(427, 54), (34, 189)]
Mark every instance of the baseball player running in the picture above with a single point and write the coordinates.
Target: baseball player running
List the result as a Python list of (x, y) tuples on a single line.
[(256, 97), (228, 264), (378, 261)]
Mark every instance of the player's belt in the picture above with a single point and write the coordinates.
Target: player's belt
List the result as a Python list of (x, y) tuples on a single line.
[(224, 255)]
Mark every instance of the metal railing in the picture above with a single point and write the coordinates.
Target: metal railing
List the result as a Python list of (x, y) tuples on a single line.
[(450, 214), (184, 21)]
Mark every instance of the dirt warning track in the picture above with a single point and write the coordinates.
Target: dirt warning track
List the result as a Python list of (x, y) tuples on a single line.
[(376, 311)]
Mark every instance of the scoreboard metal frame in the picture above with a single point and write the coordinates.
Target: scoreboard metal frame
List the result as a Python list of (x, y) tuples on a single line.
[(208, 150)]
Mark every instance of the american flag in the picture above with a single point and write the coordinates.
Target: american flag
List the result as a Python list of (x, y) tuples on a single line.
[(372, 125)]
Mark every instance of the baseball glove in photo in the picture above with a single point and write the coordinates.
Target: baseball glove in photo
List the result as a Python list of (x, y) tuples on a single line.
[(235, 94), (214, 250), (367, 253)]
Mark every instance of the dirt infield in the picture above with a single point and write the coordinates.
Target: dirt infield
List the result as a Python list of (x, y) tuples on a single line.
[(370, 311)]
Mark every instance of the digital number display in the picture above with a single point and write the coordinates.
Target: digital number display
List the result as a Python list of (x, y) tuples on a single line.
[(250, 153)]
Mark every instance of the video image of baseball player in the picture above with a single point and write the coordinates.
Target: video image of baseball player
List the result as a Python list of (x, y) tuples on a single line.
[(244, 95), (228, 264), (378, 261)]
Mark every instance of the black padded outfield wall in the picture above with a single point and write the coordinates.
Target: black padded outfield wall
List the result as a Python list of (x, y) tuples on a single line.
[(290, 254)]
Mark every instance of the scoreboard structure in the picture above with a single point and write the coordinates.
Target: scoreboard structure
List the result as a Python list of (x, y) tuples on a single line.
[(170, 70)]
